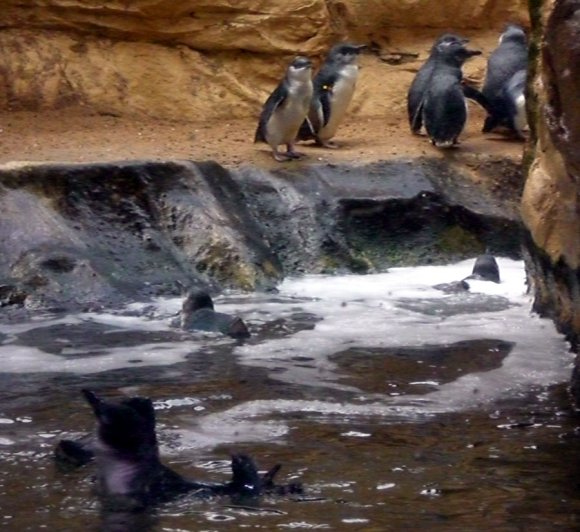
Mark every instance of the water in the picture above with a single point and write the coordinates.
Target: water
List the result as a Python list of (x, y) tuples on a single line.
[(397, 405)]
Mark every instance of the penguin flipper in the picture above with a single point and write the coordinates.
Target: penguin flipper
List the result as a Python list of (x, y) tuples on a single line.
[(312, 124), (306, 131), (275, 100), (325, 105), (477, 96), (417, 121)]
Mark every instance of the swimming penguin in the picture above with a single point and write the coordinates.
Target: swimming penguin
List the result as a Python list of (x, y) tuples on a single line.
[(197, 313), (130, 474), (285, 110), (421, 81), (333, 91), (444, 109), (510, 57), (485, 269)]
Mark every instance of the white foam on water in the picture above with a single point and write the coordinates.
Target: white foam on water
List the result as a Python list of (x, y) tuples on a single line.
[(370, 311), (394, 309), (25, 359), (366, 311)]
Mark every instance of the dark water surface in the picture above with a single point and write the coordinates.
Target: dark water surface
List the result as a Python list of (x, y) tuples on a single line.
[(397, 407)]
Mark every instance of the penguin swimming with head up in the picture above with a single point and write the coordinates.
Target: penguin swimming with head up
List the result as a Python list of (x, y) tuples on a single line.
[(130, 474), (285, 110), (444, 108), (198, 314), (334, 87), (485, 269), (504, 93)]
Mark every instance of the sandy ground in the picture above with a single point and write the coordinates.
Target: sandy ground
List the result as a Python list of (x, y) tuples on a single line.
[(82, 136)]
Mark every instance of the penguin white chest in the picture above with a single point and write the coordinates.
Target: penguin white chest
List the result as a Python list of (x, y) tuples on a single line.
[(286, 120), (521, 120), (340, 98)]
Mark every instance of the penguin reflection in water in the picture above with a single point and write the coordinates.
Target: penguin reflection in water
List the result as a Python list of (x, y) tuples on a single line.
[(334, 88), (444, 108), (285, 110)]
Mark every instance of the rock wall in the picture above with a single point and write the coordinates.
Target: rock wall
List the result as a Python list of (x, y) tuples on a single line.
[(198, 60), (83, 236), (551, 199)]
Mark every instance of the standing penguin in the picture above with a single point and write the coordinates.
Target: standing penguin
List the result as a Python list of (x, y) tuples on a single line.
[(444, 109), (285, 109), (421, 81), (333, 91), (508, 58)]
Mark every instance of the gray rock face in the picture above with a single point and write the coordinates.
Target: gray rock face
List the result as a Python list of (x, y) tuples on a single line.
[(83, 236)]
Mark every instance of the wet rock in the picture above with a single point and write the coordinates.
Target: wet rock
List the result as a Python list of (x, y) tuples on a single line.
[(550, 200), (11, 294), (83, 236)]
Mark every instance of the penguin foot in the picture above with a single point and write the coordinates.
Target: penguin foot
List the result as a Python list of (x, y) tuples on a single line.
[(327, 144), (281, 157), (294, 154), (445, 144)]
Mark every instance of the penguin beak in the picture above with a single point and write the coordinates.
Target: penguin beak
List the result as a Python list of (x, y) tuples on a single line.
[(471, 53)]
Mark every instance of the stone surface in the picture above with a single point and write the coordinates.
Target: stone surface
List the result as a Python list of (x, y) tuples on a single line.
[(83, 236), (550, 202), (551, 198)]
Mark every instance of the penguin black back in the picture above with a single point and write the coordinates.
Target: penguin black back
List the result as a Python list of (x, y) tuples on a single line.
[(420, 82), (443, 107), (485, 269)]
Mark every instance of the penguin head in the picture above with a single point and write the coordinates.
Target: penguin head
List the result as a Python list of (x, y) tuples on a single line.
[(455, 53), (195, 300), (345, 53), (513, 33), (128, 426), (448, 38), (300, 69)]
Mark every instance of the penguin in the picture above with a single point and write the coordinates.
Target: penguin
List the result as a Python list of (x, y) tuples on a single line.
[(334, 87), (485, 269), (285, 110), (197, 313), (130, 474), (421, 81), (444, 109), (514, 94), (505, 61)]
